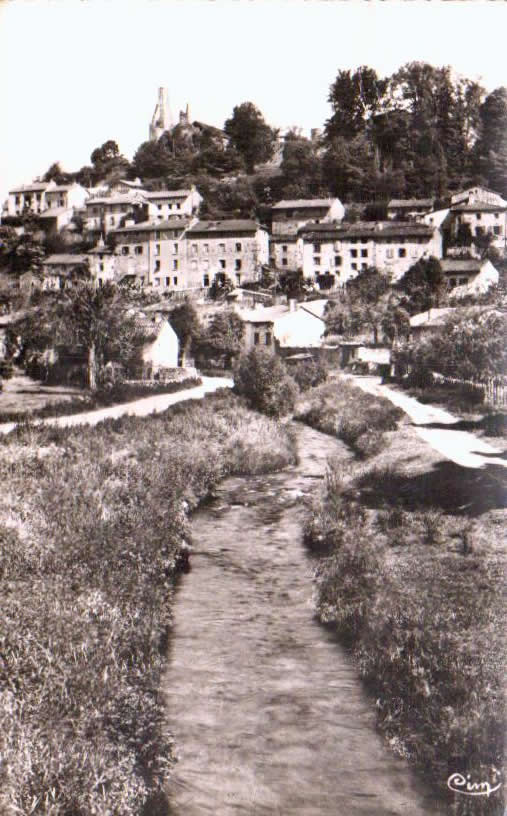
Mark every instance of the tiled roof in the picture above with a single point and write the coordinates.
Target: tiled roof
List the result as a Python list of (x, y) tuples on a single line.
[(450, 265), (369, 229), (438, 317), (264, 314), (315, 307), (478, 206), (148, 226), (65, 258), (168, 194), (229, 225), (121, 198), (31, 188), (303, 203), (60, 188), (411, 202)]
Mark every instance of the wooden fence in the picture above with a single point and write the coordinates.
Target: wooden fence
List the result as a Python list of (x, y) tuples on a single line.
[(494, 390)]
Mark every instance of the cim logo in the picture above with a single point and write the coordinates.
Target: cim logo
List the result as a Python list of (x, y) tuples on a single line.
[(462, 784)]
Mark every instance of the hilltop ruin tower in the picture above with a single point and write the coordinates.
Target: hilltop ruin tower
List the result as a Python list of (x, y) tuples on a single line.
[(161, 119)]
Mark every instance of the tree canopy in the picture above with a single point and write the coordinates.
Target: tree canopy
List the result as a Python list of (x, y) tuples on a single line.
[(252, 137)]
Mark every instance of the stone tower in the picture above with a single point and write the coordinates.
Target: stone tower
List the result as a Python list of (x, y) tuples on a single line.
[(161, 119)]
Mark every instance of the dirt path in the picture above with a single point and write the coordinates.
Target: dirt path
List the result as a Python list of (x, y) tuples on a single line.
[(267, 711), (139, 407), (434, 425)]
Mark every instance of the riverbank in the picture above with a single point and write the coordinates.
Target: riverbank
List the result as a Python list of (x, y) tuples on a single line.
[(412, 559), (93, 533)]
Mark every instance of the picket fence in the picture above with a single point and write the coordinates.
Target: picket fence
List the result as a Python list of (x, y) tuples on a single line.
[(494, 390)]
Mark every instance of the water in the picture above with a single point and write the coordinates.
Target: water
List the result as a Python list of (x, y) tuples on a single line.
[(267, 711)]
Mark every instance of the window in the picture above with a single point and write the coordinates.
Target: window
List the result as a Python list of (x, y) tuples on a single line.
[(101, 267), (175, 249), (159, 206), (496, 215), (353, 266), (205, 248), (238, 278), (157, 249), (18, 200), (221, 247), (284, 248), (238, 247), (222, 263), (205, 264), (478, 216), (402, 252), (452, 282), (193, 249), (364, 240), (316, 260), (175, 281), (157, 235), (111, 220), (479, 230), (364, 266), (463, 281), (364, 253), (193, 266), (268, 339), (177, 206), (316, 247), (139, 250), (205, 280), (337, 260), (125, 250), (353, 253), (157, 266), (38, 198), (257, 338), (156, 281), (237, 263), (389, 253), (175, 264), (167, 281), (497, 230), (284, 261)]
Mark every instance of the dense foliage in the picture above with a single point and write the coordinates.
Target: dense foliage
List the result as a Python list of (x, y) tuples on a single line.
[(262, 378)]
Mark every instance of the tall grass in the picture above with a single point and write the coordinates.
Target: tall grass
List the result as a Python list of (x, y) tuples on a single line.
[(423, 614), (92, 525), (341, 409)]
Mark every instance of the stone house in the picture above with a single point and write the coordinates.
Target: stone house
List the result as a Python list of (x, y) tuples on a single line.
[(102, 263), (233, 248), (470, 276), (281, 327), (163, 204), (332, 254), (288, 217), (30, 197), (409, 208), (482, 218), (105, 213), (156, 255), (61, 270), (161, 347)]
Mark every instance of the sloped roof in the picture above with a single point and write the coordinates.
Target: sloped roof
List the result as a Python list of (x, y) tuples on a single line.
[(315, 307), (438, 317), (479, 206), (368, 229), (120, 198), (31, 188), (53, 212), (450, 265), (302, 203), (65, 258), (264, 314), (411, 202), (60, 188), (168, 194), (149, 226), (229, 225)]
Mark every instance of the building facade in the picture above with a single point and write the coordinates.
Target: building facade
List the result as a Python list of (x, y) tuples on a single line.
[(334, 254), (409, 208), (60, 271), (163, 204), (287, 217), (234, 248), (28, 197), (156, 255), (105, 213)]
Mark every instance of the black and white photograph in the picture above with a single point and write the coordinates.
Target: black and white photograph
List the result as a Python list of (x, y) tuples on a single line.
[(253, 407)]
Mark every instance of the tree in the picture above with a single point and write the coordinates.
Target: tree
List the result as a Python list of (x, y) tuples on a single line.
[(301, 167), (491, 147), (423, 286), (185, 322), (250, 135), (55, 173), (262, 378), (355, 98), (107, 159), (223, 338)]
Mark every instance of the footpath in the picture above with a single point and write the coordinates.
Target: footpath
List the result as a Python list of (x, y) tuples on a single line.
[(438, 428), (139, 407)]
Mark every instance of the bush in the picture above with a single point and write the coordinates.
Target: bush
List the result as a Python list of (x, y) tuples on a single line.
[(309, 373), (262, 378)]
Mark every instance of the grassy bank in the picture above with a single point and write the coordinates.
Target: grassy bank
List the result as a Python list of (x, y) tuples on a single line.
[(341, 409), (102, 398), (411, 577), (93, 525)]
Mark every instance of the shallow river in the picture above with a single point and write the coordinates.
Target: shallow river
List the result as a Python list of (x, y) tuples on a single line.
[(267, 711)]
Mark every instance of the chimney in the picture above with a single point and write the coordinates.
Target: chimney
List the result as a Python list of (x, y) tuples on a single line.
[(292, 305)]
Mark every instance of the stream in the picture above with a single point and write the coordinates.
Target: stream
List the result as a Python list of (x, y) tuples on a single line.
[(266, 708)]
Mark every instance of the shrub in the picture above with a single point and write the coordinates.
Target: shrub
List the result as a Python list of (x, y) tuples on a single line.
[(309, 373), (262, 378)]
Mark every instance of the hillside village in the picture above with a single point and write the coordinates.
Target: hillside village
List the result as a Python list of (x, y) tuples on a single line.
[(165, 243)]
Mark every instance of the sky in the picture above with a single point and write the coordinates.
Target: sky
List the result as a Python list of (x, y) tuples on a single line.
[(75, 73)]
